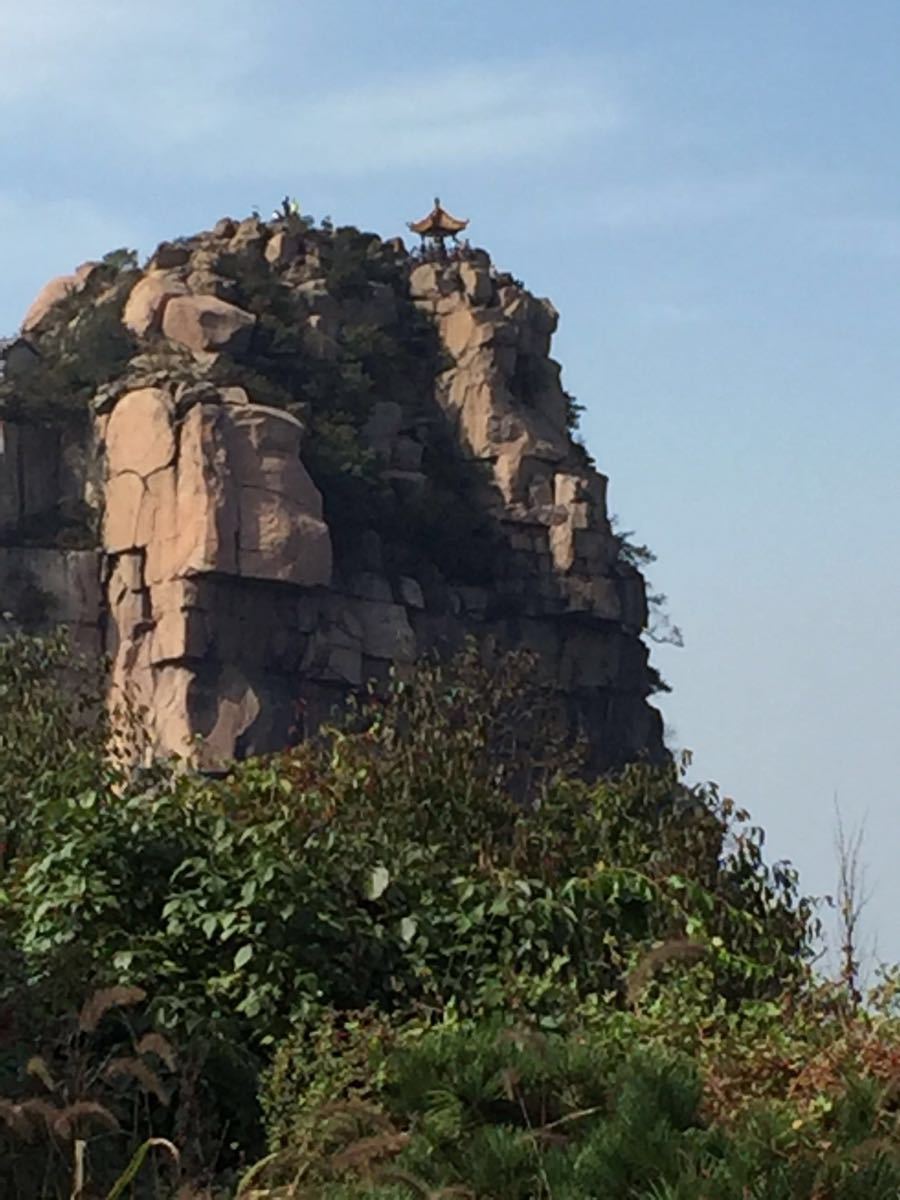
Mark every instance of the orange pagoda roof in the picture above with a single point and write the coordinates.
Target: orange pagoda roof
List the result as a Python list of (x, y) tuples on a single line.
[(438, 223)]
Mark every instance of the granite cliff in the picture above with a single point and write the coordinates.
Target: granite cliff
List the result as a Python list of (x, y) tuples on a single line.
[(280, 459)]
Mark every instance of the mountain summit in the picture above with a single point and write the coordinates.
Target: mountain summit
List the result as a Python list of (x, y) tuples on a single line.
[(281, 459)]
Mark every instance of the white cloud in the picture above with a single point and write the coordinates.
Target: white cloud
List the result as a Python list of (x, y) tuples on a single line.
[(206, 88)]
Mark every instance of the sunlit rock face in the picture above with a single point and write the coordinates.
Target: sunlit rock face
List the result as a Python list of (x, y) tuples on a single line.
[(322, 458)]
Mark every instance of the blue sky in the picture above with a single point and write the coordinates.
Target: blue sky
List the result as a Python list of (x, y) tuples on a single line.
[(710, 193)]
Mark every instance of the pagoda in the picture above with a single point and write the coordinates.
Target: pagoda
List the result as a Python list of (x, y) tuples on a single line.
[(437, 227)]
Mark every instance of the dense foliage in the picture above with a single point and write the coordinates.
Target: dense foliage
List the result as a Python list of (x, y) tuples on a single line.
[(419, 953)]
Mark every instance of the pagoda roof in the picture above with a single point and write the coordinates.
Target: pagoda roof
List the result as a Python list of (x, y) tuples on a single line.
[(438, 223)]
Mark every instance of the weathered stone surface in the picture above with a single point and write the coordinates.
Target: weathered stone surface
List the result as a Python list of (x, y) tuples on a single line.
[(282, 248), (169, 699), (20, 359), (44, 586), (201, 532), (54, 292), (476, 281), (168, 255), (410, 593), (467, 330), (386, 631), (179, 635), (280, 541), (334, 655), (369, 585), (281, 534), (207, 283), (123, 527), (139, 435), (423, 280), (238, 707), (42, 479), (147, 302), (10, 475), (249, 232), (48, 297), (207, 323)]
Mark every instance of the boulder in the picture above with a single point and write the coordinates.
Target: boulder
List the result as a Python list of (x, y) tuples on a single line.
[(386, 631), (207, 323), (410, 593), (423, 280), (264, 452), (54, 292), (231, 498), (281, 533), (168, 255), (251, 233), (476, 282), (48, 297), (282, 248), (147, 302)]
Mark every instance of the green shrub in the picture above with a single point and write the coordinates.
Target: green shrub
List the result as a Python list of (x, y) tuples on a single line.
[(452, 949), (499, 1109)]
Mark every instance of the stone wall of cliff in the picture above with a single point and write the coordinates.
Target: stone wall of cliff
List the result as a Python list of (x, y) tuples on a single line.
[(310, 458)]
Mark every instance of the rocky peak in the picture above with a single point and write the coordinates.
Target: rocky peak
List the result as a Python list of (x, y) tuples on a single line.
[(280, 460)]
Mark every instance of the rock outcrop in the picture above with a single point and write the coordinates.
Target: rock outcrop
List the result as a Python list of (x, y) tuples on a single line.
[(323, 459)]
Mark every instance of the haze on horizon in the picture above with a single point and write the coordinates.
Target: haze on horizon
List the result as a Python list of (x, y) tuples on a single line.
[(710, 194)]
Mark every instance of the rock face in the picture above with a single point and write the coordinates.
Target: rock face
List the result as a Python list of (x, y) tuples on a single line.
[(207, 323), (147, 302), (241, 582), (218, 494), (54, 292)]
